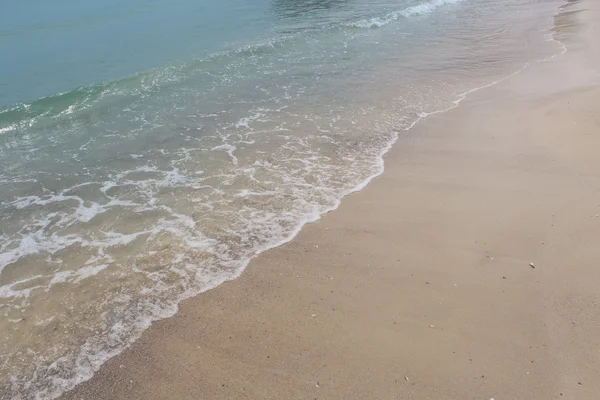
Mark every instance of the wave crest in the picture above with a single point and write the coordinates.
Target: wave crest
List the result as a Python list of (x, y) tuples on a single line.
[(420, 9)]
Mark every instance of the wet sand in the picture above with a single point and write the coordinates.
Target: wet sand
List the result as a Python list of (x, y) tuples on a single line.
[(469, 270)]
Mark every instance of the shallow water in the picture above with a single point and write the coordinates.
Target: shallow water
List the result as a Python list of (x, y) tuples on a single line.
[(149, 151)]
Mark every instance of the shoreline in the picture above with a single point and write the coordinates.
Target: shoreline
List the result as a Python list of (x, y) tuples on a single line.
[(110, 372), (355, 190)]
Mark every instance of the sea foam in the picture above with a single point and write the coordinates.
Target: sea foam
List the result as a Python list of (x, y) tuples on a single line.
[(420, 9)]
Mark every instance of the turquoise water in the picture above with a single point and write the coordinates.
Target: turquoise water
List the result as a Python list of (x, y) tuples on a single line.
[(53, 47), (149, 150)]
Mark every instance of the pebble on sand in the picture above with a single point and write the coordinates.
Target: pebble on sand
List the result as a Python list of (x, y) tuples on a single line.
[(532, 265)]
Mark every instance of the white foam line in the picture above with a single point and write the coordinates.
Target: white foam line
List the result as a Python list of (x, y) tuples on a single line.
[(419, 9)]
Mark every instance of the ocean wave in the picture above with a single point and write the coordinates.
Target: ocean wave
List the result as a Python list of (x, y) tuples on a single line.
[(54, 109), (420, 9), (50, 111)]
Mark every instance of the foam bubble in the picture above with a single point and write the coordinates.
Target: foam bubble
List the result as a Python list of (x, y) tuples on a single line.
[(420, 9)]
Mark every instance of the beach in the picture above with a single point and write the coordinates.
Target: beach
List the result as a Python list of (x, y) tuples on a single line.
[(468, 270), (138, 173)]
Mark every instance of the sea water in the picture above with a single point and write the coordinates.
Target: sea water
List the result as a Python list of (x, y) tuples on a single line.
[(150, 149)]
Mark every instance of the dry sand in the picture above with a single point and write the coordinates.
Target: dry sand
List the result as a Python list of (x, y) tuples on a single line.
[(420, 286)]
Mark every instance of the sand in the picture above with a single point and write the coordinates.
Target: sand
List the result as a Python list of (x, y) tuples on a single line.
[(469, 270)]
